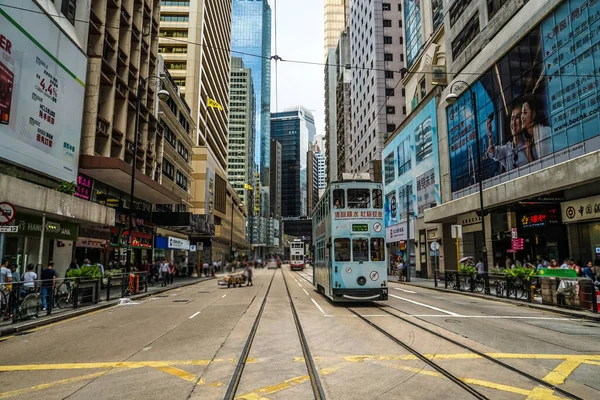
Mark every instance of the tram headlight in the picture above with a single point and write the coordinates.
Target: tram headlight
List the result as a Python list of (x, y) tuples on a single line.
[(361, 280)]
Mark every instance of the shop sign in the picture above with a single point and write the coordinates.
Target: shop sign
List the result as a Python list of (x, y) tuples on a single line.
[(539, 219), (518, 244), (178, 244), (84, 187), (120, 238), (91, 243), (558, 272), (581, 209), (396, 233), (29, 225)]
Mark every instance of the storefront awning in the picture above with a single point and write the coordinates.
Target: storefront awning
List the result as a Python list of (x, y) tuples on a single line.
[(117, 173)]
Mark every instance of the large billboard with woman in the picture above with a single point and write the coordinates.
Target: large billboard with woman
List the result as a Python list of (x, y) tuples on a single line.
[(536, 106)]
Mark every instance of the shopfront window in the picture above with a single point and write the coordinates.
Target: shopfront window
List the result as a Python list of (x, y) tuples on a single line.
[(377, 249), (342, 249), (360, 249)]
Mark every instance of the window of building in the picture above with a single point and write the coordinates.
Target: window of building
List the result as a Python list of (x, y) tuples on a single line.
[(389, 74), (388, 57), (390, 110), (493, 6), (400, 23), (181, 181), (437, 13), (389, 92), (171, 49), (168, 170), (174, 18), (387, 7), (174, 33), (399, 6), (388, 169), (466, 36), (387, 23), (423, 88), (360, 249), (175, 3), (68, 8), (183, 151), (176, 65), (401, 41), (391, 128), (403, 151), (377, 249), (387, 40), (169, 135), (359, 198), (456, 10), (424, 140), (377, 198), (341, 249)]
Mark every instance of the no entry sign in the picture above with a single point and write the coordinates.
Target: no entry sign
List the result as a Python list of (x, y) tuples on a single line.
[(7, 213)]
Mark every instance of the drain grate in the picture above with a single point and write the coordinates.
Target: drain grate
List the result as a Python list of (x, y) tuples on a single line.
[(180, 301)]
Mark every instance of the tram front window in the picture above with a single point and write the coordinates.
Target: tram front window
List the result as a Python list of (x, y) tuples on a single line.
[(338, 198), (377, 249), (360, 249), (377, 198), (342, 249), (359, 198)]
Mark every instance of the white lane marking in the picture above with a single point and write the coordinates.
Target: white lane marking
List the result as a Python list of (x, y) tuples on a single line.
[(224, 296), (305, 291), (299, 284), (426, 306), (194, 315), (404, 290), (318, 306)]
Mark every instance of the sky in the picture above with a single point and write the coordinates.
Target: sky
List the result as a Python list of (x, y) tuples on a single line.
[(299, 37)]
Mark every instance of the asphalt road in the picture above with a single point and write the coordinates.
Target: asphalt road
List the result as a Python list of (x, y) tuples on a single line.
[(186, 343)]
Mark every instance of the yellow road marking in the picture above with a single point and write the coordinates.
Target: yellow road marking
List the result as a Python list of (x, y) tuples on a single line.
[(540, 393), (178, 373), (591, 362), (497, 386), (6, 338), (288, 383), (100, 365), (43, 386), (562, 372), (411, 369)]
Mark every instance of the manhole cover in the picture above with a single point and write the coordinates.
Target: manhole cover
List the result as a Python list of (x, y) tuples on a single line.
[(180, 301)]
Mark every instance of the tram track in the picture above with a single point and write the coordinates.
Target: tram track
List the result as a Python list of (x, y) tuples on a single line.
[(500, 363), (313, 375)]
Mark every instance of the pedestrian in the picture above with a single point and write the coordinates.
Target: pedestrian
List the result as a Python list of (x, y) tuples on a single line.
[(29, 278), (48, 283), (164, 273), (5, 274), (248, 272), (400, 267), (509, 263), (172, 271), (205, 268), (588, 271), (16, 277), (480, 267)]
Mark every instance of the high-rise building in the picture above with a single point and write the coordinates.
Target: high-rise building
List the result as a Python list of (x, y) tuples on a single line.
[(376, 42), (331, 145), (312, 177), (193, 36), (241, 131), (251, 40), (320, 162), (275, 180), (293, 129), (343, 105), (334, 22)]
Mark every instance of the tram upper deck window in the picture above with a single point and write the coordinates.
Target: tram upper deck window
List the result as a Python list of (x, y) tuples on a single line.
[(359, 198), (377, 249), (360, 249), (377, 198), (338, 198), (341, 249)]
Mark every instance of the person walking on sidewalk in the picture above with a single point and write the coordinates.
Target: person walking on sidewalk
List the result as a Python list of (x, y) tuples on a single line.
[(48, 284), (164, 273), (171, 271), (248, 271)]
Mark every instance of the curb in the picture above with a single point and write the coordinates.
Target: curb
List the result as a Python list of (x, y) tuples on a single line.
[(10, 330), (565, 312)]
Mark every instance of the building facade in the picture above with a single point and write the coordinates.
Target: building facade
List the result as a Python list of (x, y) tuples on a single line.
[(542, 202), (331, 144), (377, 55), (293, 129), (334, 22), (251, 34), (312, 180), (241, 131), (343, 123)]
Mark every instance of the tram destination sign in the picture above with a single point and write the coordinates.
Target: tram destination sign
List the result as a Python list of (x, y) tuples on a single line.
[(360, 228)]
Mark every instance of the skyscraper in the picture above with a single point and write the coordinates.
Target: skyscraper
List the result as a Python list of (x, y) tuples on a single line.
[(334, 21), (294, 129), (376, 37), (241, 131), (251, 35)]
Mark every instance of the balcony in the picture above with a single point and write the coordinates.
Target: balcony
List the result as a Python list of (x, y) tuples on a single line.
[(112, 4), (122, 56), (125, 17), (144, 47), (129, 147), (102, 127), (117, 133)]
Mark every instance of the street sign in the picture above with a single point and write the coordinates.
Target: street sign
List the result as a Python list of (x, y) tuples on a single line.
[(514, 233), (434, 253), (518, 244), (199, 246), (9, 229), (434, 246), (192, 247), (7, 213), (456, 231)]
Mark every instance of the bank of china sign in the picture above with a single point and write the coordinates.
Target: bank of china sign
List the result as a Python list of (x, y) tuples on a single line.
[(581, 209), (178, 244)]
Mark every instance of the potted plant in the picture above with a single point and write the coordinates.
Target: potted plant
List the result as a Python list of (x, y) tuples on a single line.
[(85, 282)]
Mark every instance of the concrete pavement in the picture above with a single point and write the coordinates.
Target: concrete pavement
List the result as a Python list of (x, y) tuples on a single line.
[(184, 343)]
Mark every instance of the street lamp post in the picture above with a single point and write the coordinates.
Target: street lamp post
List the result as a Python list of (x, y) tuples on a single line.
[(452, 98), (163, 95)]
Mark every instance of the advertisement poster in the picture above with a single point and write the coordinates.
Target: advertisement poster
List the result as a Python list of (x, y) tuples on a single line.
[(536, 107), (42, 88), (411, 168)]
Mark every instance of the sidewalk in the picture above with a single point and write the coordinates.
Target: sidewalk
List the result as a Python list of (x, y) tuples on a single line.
[(8, 328), (536, 304)]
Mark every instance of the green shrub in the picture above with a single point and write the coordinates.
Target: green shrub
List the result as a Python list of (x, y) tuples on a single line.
[(87, 271), (467, 270)]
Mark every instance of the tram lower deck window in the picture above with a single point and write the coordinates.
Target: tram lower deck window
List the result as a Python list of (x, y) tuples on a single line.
[(377, 249), (341, 249), (360, 249)]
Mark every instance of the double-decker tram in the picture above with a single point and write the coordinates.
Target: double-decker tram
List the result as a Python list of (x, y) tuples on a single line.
[(296, 254), (349, 240)]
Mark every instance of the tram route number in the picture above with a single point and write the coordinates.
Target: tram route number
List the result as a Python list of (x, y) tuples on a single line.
[(374, 275)]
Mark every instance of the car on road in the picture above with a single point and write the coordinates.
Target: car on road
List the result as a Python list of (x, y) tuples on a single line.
[(259, 263), (272, 264)]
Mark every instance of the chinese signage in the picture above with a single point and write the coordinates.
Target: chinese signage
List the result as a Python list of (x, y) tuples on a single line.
[(91, 243), (396, 233), (120, 238), (539, 219), (41, 97), (30, 225), (581, 210), (178, 244), (518, 244), (558, 272), (411, 168), (84, 187), (542, 109), (357, 214)]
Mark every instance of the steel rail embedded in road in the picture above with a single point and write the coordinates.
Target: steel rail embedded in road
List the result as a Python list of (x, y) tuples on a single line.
[(423, 358), (310, 364), (482, 355), (239, 368)]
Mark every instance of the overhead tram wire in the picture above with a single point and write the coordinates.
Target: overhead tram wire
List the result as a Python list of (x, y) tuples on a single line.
[(291, 61)]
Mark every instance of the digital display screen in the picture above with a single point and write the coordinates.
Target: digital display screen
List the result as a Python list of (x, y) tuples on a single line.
[(360, 228)]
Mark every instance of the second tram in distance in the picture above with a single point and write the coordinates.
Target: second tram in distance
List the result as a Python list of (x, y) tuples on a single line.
[(296, 255), (349, 240)]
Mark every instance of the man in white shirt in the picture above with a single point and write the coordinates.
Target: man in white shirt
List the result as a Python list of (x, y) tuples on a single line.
[(164, 272), (30, 277), (480, 267), (5, 274)]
